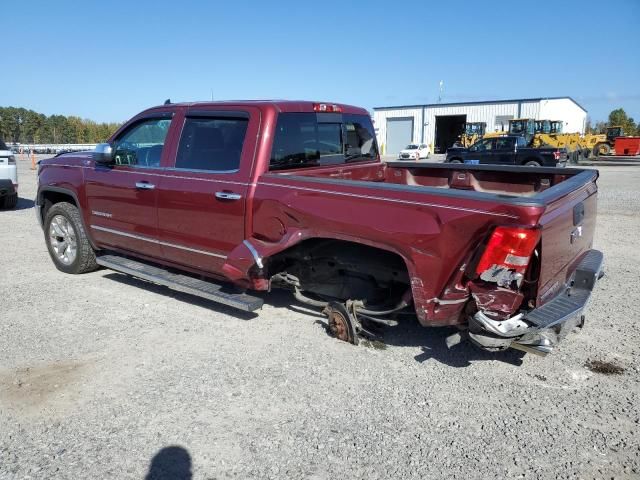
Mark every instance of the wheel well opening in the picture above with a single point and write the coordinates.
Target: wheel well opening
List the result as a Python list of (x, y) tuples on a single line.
[(49, 198), (342, 270)]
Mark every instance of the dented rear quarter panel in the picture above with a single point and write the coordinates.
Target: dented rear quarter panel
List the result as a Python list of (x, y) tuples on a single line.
[(433, 234)]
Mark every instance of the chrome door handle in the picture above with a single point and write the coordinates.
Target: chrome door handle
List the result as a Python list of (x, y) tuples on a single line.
[(228, 196), (145, 186)]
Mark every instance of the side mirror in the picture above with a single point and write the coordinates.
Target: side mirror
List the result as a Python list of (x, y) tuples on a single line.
[(103, 154)]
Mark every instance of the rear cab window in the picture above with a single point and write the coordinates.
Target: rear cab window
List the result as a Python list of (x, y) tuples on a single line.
[(304, 140)]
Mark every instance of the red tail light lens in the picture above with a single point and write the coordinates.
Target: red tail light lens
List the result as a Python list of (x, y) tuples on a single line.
[(556, 155), (509, 247), (327, 108)]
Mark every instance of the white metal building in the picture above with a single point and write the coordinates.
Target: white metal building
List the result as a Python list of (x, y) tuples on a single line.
[(439, 124)]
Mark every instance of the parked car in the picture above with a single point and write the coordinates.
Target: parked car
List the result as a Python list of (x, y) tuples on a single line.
[(257, 195), (414, 151), (8, 178), (507, 150)]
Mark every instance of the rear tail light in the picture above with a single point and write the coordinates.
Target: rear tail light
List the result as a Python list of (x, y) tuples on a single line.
[(12, 160), (509, 247), (327, 108), (557, 155)]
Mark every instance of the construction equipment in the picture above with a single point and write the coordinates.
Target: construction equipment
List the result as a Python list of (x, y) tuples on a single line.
[(473, 131), (549, 133), (600, 143)]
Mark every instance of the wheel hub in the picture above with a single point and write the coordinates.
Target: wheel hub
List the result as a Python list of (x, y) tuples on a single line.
[(63, 241)]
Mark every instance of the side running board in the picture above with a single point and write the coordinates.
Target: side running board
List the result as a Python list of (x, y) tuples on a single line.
[(182, 283)]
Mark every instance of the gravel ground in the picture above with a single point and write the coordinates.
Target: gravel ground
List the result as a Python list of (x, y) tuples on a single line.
[(104, 376)]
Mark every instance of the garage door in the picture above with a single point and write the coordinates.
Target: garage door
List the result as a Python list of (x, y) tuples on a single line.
[(399, 134)]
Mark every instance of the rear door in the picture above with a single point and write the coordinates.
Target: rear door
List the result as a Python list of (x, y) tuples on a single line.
[(202, 196), (505, 151), (122, 197)]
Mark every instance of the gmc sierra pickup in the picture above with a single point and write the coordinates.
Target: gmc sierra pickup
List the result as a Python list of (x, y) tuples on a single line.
[(507, 150), (203, 197)]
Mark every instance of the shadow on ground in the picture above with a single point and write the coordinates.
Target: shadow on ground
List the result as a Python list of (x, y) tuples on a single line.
[(409, 333), (170, 463), (23, 204)]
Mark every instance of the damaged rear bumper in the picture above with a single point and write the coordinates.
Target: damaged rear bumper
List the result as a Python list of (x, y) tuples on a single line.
[(539, 330)]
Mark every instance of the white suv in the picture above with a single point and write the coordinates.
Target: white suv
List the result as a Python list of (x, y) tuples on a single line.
[(414, 151), (8, 178)]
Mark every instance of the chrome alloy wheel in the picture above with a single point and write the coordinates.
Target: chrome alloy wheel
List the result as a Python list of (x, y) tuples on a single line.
[(62, 238)]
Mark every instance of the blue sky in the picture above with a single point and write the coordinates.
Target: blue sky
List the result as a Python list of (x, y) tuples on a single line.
[(108, 60)]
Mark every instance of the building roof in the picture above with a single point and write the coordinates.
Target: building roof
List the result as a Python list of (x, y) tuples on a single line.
[(485, 102)]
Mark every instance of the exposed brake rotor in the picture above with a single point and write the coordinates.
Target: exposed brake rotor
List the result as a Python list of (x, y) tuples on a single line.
[(342, 324)]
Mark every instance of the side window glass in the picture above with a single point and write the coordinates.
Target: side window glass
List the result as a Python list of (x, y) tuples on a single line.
[(212, 143), (504, 144), (142, 144), (485, 145), (360, 138)]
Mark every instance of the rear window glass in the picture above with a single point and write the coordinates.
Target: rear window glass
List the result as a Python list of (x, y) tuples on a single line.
[(311, 140), (211, 144)]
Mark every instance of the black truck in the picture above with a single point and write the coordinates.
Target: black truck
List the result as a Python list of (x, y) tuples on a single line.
[(507, 150)]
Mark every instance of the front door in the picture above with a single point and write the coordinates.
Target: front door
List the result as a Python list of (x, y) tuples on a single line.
[(201, 200), (122, 197)]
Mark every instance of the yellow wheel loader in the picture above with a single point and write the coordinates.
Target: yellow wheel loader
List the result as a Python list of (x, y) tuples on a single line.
[(473, 131), (600, 143)]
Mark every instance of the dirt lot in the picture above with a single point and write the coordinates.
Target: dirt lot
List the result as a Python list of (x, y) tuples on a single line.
[(100, 374)]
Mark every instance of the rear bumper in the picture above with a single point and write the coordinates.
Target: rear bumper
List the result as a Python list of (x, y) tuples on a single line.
[(539, 330)]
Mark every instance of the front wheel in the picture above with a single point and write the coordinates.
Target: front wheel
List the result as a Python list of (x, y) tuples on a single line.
[(532, 163), (455, 160), (67, 241), (601, 149)]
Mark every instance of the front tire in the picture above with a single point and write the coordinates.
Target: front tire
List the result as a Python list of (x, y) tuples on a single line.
[(601, 149), (67, 241), (10, 201), (455, 160), (531, 163)]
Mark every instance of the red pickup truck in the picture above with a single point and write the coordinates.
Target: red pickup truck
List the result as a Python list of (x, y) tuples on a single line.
[(221, 198)]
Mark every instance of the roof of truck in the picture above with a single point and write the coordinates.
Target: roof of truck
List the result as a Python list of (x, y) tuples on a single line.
[(280, 105)]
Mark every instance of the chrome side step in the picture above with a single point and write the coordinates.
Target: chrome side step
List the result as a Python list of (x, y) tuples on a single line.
[(182, 283)]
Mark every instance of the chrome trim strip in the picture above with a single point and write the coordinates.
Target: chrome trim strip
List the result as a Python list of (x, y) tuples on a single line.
[(158, 242), (254, 252), (393, 200)]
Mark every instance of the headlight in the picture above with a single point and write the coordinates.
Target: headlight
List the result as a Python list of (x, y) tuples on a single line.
[(12, 160)]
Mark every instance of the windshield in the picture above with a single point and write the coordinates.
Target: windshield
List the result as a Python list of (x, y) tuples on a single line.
[(556, 127), (411, 146), (318, 139)]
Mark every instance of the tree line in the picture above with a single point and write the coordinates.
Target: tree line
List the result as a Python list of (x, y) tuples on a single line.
[(617, 118), (26, 126)]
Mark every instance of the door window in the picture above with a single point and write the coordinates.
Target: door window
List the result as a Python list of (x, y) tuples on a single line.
[(142, 144), (212, 144), (483, 145), (504, 144)]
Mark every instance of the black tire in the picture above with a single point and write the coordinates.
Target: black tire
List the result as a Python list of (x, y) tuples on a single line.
[(10, 201), (601, 149), (85, 258), (532, 163), (586, 153), (455, 160)]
